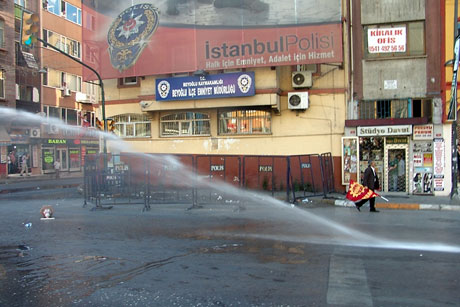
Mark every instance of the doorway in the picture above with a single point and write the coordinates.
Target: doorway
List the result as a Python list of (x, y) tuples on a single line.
[(62, 154), (396, 168)]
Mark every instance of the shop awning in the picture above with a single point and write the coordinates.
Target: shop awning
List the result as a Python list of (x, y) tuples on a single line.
[(5, 139)]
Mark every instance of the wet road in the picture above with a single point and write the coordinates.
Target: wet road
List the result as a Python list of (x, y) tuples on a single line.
[(252, 254)]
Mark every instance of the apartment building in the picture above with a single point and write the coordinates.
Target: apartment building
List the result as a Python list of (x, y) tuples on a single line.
[(64, 94), (397, 116)]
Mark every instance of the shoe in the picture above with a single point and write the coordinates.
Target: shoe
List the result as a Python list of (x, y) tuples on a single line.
[(358, 207), (374, 210)]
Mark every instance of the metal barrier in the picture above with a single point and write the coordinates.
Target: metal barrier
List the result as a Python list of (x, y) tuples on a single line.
[(153, 179), (311, 175)]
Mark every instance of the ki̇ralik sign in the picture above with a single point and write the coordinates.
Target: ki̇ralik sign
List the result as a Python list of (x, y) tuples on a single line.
[(207, 86)]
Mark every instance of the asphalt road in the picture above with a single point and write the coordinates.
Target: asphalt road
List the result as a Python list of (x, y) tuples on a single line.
[(259, 253)]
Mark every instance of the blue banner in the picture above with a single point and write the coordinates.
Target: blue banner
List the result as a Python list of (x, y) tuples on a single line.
[(206, 86)]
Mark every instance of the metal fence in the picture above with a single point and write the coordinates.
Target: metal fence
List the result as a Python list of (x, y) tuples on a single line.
[(199, 179)]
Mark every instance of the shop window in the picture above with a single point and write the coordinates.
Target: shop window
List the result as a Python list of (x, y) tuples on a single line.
[(132, 125), (185, 124), (245, 122), (371, 148), (394, 40)]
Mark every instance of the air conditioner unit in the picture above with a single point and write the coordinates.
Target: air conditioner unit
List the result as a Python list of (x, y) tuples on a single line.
[(66, 92), (35, 132), (53, 129), (298, 100), (301, 79)]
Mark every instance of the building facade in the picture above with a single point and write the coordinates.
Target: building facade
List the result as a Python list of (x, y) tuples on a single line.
[(181, 100), (7, 75), (396, 116), (65, 96)]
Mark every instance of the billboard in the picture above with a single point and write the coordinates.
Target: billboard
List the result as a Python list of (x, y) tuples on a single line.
[(130, 38)]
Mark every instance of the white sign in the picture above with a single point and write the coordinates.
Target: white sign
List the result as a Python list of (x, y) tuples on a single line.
[(390, 84), (439, 164), (385, 130), (423, 132), (386, 40)]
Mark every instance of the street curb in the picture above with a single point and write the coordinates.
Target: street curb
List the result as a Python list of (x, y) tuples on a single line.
[(349, 204)]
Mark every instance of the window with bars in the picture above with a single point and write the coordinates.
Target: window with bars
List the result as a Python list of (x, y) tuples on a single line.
[(132, 125), (394, 108), (245, 122), (185, 124)]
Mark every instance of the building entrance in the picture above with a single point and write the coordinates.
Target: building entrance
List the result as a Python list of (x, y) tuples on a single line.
[(396, 168)]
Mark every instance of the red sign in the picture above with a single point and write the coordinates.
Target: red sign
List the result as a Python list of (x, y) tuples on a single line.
[(141, 40)]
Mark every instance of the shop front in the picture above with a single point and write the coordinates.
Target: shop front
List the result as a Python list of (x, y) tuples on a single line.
[(70, 153), (408, 158)]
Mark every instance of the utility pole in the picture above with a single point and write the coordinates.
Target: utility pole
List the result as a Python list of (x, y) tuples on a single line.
[(101, 85)]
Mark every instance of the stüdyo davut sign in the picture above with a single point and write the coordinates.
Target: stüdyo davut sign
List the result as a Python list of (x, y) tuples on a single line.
[(385, 130)]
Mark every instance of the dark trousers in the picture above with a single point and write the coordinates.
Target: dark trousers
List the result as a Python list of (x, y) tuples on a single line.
[(371, 203)]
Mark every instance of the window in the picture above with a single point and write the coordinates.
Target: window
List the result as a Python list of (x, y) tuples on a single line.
[(72, 13), (132, 125), (185, 124), (128, 81), (25, 93), (402, 39), (64, 9), (22, 3), (245, 122), (54, 6), (59, 79), (2, 33), (52, 112), (68, 45), (2, 83), (397, 108)]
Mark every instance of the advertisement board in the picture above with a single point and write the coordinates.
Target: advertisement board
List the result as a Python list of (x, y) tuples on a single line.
[(126, 38)]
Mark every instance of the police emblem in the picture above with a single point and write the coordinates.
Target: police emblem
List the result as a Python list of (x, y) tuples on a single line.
[(244, 83), (163, 88), (130, 33)]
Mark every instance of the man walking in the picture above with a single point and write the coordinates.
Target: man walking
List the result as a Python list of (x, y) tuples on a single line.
[(57, 167), (371, 181), (24, 166)]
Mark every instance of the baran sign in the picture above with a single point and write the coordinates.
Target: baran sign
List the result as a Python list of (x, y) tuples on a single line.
[(207, 86), (385, 130), (386, 40)]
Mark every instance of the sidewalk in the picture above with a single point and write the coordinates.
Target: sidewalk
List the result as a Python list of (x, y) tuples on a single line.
[(16, 183), (396, 201)]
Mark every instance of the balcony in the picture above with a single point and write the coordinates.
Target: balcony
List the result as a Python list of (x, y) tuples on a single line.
[(28, 106), (392, 112)]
